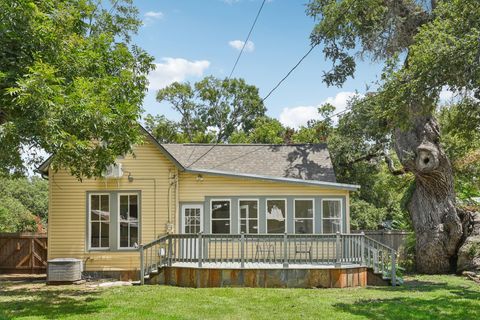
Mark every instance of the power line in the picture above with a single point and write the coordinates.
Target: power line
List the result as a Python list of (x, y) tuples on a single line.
[(282, 80), (289, 72), (233, 69), (246, 40)]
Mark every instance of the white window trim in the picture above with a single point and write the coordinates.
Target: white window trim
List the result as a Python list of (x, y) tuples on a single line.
[(341, 212), (257, 218), (182, 216), (118, 218), (221, 219), (266, 213), (295, 214), (89, 213)]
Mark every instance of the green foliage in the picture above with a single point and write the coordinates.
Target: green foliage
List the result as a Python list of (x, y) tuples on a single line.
[(264, 130), (71, 83), (214, 106), (460, 125), (21, 201)]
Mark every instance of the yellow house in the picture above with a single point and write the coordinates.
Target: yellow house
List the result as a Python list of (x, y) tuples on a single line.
[(237, 191)]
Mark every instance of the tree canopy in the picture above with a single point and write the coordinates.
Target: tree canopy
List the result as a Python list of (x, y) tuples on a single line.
[(212, 109), (71, 83)]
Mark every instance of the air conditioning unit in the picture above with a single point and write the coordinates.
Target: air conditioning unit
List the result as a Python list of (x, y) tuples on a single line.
[(113, 171), (63, 270)]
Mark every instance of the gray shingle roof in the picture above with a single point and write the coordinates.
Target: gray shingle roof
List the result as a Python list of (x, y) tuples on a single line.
[(297, 161)]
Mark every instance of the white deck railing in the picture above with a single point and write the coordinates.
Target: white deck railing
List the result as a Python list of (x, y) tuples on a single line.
[(250, 250)]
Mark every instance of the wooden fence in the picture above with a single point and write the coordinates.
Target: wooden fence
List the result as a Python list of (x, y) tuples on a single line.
[(395, 239), (23, 252)]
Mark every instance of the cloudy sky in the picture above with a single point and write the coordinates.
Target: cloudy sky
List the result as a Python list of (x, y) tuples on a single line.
[(191, 39)]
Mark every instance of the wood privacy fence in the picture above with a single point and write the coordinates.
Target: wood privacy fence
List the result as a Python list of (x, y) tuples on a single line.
[(23, 252), (395, 239)]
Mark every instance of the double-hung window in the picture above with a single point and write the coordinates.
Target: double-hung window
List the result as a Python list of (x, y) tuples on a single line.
[(276, 215), (99, 224), (248, 216), (303, 209), (128, 220), (220, 210), (332, 215)]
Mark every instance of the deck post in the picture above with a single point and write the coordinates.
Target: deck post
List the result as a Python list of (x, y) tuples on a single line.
[(285, 251), (338, 250), (200, 250), (169, 253), (142, 267), (394, 268), (242, 250), (362, 248)]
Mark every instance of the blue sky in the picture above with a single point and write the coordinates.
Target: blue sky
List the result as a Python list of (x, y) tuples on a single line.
[(191, 39)]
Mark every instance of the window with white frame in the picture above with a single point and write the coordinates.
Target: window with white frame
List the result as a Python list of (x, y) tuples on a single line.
[(99, 213), (220, 216), (248, 216), (303, 216), (128, 220), (332, 215), (276, 214)]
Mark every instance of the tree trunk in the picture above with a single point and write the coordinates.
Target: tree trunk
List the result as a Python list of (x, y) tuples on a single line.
[(432, 205)]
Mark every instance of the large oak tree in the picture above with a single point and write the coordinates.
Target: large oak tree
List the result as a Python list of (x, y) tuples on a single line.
[(426, 46)]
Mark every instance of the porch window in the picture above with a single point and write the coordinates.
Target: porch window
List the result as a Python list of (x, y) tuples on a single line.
[(303, 216), (99, 213), (276, 214), (248, 216), (128, 220), (332, 215), (220, 210)]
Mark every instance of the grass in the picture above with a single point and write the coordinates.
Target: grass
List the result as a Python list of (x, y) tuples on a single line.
[(421, 297)]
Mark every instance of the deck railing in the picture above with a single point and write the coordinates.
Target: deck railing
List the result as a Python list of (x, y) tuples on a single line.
[(279, 250)]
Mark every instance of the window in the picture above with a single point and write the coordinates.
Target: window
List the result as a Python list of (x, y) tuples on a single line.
[(248, 216), (128, 220), (99, 213), (276, 214), (303, 216), (332, 216), (220, 210)]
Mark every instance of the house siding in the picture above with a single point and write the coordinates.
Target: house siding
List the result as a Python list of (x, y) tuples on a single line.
[(67, 227)]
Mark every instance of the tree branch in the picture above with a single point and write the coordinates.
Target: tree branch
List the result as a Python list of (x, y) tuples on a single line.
[(391, 166)]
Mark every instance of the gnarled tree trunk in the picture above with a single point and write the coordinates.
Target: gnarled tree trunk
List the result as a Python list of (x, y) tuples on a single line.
[(432, 205)]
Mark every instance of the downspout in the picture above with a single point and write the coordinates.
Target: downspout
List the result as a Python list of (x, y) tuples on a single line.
[(173, 179)]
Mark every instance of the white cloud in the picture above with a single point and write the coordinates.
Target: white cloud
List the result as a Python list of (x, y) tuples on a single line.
[(238, 45), (296, 117), (151, 16), (154, 14), (175, 69)]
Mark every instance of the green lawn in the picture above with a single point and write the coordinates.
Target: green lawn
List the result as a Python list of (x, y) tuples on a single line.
[(421, 297)]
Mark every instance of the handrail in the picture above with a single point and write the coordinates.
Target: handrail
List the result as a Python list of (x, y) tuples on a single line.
[(244, 250)]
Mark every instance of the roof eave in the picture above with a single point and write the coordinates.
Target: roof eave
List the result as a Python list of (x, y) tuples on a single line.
[(332, 185)]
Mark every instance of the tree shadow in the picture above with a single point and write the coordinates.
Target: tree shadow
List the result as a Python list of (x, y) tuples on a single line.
[(304, 162), (48, 304), (455, 302)]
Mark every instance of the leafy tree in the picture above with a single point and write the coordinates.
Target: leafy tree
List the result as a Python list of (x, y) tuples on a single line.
[(426, 45), (22, 200), (264, 130), (214, 106), (71, 83)]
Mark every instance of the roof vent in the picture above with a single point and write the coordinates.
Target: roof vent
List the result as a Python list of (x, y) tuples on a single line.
[(64, 270)]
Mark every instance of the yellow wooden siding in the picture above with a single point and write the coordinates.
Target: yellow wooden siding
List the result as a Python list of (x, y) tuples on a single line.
[(192, 189), (67, 228)]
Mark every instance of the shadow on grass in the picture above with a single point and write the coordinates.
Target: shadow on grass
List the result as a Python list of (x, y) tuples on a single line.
[(49, 304), (450, 302)]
